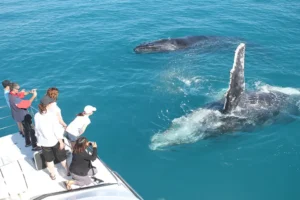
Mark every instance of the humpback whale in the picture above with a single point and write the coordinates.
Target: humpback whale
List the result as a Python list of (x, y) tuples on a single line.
[(238, 110), (173, 44)]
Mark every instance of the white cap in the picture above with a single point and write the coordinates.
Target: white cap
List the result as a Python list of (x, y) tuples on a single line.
[(89, 109)]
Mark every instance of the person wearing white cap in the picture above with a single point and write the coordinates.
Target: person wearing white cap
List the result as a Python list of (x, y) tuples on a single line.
[(77, 127)]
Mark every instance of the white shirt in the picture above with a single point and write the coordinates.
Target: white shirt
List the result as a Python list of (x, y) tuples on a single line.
[(57, 111), (47, 129), (54, 108), (76, 125)]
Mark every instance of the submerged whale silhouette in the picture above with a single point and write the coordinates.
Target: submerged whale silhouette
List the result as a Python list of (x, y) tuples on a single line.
[(173, 44), (239, 110)]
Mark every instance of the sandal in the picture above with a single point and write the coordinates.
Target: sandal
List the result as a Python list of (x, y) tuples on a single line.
[(52, 177), (68, 186)]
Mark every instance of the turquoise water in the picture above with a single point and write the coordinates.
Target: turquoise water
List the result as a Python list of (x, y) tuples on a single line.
[(85, 49)]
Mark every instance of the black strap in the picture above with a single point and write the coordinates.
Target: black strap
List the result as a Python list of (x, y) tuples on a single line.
[(97, 180)]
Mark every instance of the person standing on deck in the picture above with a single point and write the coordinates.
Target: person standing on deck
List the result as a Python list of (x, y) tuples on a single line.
[(53, 94), (50, 137), (21, 115), (77, 127), (6, 84)]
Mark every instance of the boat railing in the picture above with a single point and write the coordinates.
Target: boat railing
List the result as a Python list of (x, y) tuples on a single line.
[(31, 110), (117, 177), (128, 186), (71, 191), (4, 117)]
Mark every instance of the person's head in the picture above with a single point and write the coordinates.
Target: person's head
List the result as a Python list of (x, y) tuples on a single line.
[(44, 104), (88, 110), (14, 88), (6, 84), (80, 145), (53, 93)]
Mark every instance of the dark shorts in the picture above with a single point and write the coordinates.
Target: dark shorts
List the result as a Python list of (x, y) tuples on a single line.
[(54, 153), (71, 137)]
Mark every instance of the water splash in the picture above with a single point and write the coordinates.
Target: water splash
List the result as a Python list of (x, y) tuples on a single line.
[(263, 87), (200, 123), (187, 129)]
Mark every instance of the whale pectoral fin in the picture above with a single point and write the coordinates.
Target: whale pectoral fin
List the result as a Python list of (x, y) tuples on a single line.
[(237, 80)]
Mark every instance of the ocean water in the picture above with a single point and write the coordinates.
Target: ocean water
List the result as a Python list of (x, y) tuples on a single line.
[(85, 48)]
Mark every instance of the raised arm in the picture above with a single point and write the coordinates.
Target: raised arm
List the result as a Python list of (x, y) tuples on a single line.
[(60, 119), (94, 154), (26, 103)]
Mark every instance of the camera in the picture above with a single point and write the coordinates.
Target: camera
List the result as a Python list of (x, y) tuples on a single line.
[(90, 143)]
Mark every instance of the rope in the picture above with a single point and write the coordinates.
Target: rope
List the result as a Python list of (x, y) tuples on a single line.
[(34, 108), (7, 127), (4, 117)]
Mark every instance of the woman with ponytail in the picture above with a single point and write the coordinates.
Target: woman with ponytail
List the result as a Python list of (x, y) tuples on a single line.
[(77, 127)]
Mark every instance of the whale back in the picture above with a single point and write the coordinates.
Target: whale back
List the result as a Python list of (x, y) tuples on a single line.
[(237, 80), (170, 44)]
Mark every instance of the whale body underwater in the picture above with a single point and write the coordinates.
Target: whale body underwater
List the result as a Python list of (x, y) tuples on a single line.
[(174, 44), (238, 110)]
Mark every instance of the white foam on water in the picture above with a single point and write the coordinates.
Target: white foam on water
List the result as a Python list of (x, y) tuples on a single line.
[(285, 90), (178, 83), (189, 81), (187, 129)]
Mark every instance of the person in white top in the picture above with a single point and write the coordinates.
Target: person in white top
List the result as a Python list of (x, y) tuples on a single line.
[(53, 93), (49, 136), (77, 127)]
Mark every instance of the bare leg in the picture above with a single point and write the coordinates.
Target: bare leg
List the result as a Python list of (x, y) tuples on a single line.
[(72, 145), (64, 164), (20, 126), (50, 167)]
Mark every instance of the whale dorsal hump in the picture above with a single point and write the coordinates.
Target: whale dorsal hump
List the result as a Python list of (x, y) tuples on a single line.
[(237, 80)]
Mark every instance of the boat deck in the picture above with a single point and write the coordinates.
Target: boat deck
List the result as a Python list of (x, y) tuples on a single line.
[(19, 178)]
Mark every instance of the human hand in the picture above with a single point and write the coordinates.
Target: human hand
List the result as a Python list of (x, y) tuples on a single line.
[(61, 145), (94, 144), (34, 92)]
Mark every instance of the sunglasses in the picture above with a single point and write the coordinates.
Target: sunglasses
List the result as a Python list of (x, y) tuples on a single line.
[(82, 140)]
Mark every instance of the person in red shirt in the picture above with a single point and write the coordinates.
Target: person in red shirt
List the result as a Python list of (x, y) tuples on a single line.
[(20, 114), (6, 85)]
